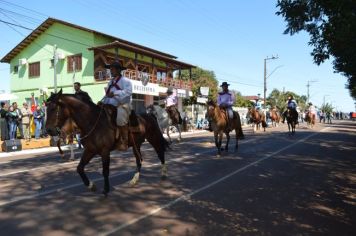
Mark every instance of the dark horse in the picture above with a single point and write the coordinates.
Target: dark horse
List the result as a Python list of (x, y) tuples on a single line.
[(98, 133), (257, 118), (292, 118), (175, 120), (218, 118)]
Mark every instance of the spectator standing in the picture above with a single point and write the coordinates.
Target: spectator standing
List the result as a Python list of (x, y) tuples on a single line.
[(19, 119), (3, 122), (38, 116), (26, 115), (44, 119), (12, 117)]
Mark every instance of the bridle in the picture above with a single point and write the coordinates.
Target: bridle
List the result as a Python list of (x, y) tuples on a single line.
[(58, 129)]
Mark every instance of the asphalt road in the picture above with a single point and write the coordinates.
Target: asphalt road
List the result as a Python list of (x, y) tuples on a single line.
[(276, 184)]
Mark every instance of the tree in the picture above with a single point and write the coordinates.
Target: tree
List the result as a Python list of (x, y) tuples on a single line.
[(240, 101), (201, 78), (332, 29)]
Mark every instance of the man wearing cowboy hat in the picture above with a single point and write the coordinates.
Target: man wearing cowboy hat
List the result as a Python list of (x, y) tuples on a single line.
[(118, 94), (226, 100), (172, 102)]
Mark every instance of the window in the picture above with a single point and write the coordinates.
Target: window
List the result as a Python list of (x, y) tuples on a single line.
[(34, 69), (16, 69), (78, 62)]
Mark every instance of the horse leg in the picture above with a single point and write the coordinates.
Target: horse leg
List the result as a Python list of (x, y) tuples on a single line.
[(227, 141), (169, 137), (138, 156), (237, 140), (218, 139), (179, 132), (59, 148), (105, 160), (84, 160), (159, 144), (70, 141)]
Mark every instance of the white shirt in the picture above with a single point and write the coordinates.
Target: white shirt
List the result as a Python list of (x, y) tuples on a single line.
[(172, 99), (122, 91)]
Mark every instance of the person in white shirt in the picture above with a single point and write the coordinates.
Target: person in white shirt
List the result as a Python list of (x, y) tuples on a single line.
[(118, 93)]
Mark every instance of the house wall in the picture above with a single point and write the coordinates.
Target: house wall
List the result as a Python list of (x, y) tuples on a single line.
[(69, 41)]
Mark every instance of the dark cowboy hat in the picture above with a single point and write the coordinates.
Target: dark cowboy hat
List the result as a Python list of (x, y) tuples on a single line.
[(224, 84), (116, 65), (310, 103)]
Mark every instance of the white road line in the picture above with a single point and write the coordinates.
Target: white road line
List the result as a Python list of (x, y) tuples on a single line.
[(43, 193), (187, 196), (46, 167)]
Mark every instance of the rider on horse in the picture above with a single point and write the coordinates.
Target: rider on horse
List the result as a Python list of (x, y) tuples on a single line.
[(172, 103), (225, 101), (118, 94), (312, 109), (292, 106)]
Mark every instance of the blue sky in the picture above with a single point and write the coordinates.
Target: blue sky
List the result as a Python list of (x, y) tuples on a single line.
[(231, 38)]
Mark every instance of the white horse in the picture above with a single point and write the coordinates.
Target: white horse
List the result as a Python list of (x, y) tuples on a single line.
[(163, 119)]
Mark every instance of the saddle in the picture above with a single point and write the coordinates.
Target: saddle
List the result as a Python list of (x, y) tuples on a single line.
[(111, 112)]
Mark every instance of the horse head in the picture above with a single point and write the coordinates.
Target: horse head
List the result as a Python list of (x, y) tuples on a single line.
[(57, 113), (211, 108)]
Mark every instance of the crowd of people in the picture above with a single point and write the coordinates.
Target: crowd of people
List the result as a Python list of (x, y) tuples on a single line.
[(15, 122)]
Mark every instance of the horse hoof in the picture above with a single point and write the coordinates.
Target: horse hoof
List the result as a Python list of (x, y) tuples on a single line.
[(164, 177), (92, 186), (218, 156)]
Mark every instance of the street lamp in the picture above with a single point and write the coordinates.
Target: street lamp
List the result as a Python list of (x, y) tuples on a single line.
[(324, 98), (308, 85), (265, 79)]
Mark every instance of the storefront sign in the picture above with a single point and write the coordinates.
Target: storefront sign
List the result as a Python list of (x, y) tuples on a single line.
[(148, 89), (202, 100)]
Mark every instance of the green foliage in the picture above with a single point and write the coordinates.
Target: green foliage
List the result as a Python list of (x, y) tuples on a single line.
[(240, 101), (279, 99), (201, 78), (332, 29), (326, 108)]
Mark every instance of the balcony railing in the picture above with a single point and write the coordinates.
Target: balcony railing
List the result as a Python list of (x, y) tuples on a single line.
[(163, 81)]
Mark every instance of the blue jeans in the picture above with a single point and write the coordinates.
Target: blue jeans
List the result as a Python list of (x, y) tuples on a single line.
[(38, 125), (12, 129)]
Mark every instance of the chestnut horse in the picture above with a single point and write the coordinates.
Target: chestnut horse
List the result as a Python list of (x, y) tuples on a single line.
[(218, 118), (257, 119), (310, 119), (98, 129), (275, 117), (67, 133)]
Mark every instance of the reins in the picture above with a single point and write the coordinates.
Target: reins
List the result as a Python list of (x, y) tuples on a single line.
[(94, 126)]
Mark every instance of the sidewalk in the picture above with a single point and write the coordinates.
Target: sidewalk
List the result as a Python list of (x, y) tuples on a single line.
[(42, 146)]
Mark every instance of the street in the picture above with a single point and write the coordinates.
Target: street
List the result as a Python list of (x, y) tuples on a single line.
[(275, 184)]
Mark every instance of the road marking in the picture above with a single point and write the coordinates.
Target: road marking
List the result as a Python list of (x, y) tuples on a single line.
[(47, 167), (43, 193), (188, 196)]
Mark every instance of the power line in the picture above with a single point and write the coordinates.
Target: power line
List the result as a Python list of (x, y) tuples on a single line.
[(13, 4)]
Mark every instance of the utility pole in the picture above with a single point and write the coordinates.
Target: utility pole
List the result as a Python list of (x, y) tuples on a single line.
[(55, 59), (308, 85), (265, 79)]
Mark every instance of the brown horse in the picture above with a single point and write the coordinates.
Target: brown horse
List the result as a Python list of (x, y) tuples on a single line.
[(98, 133), (257, 118), (310, 119), (218, 118), (275, 117)]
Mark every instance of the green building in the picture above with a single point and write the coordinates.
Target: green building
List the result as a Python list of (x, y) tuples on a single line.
[(58, 53)]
